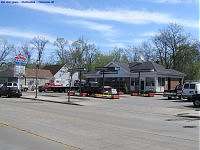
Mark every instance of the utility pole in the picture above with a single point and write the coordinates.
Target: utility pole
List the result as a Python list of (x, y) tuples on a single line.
[(70, 84), (36, 84)]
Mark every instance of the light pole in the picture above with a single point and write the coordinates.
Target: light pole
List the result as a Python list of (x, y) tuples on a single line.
[(36, 82)]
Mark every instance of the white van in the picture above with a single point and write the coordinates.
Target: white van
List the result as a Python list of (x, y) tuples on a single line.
[(190, 88)]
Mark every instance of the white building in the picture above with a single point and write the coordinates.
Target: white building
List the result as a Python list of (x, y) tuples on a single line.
[(63, 77)]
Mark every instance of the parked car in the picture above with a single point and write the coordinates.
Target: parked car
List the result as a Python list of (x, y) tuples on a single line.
[(10, 90), (93, 87), (196, 100), (176, 93), (109, 90), (190, 89)]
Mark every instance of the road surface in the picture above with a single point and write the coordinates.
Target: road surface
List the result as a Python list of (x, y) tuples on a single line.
[(131, 123)]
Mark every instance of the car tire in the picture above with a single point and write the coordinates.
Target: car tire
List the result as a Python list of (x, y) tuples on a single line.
[(196, 103), (169, 98)]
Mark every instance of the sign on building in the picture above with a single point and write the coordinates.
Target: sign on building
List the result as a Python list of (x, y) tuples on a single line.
[(20, 62)]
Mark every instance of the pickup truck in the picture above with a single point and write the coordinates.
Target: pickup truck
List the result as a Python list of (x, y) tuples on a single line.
[(176, 93), (10, 90)]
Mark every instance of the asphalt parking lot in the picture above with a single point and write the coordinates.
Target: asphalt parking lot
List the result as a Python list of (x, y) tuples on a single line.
[(129, 123)]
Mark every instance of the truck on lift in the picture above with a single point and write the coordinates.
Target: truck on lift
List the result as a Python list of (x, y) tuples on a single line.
[(56, 87), (86, 87)]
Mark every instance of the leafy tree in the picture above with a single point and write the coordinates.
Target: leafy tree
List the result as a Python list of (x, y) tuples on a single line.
[(187, 60)]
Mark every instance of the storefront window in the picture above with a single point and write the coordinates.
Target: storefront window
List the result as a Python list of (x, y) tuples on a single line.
[(150, 81), (134, 81), (161, 81)]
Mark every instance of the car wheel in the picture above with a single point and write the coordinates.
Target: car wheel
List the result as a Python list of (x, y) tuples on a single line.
[(169, 98), (196, 103)]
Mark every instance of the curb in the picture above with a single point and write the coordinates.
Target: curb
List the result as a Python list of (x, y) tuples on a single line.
[(36, 99)]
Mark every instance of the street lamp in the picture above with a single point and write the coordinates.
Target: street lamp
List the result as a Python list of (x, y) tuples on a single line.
[(36, 84)]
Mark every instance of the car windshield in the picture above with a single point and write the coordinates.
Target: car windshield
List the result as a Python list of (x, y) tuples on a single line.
[(186, 86), (179, 87), (192, 86)]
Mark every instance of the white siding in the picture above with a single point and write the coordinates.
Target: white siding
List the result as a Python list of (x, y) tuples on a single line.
[(63, 77)]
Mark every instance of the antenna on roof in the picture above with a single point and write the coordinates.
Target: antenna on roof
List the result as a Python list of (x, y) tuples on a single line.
[(141, 58)]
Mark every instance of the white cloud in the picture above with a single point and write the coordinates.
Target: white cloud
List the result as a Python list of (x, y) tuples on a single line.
[(148, 34), (114, 44), (7, 31), (124, 16), (92, 25)]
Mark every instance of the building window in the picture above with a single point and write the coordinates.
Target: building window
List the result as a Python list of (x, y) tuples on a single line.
[(161, 81), (150, 81), (134, 81)]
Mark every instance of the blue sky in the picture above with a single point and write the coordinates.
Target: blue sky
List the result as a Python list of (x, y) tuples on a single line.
[(107, 23)]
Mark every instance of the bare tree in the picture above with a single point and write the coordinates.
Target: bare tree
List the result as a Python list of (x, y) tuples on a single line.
[(82, 53), (90, 55), (39, 44), (62, 50), (148, 51), (167, 42), (77, 49), (132, 53), (5, 50), (26, 49), (119, 55)]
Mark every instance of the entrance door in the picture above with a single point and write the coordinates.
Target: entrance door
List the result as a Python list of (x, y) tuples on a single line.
[(142, 85)]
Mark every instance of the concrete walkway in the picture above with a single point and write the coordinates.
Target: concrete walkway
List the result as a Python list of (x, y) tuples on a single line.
[(63, 99)]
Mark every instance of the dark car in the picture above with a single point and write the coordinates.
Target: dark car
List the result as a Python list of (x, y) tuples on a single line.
[(196, 100), (10, 90), (176, 93), (91, 87)]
